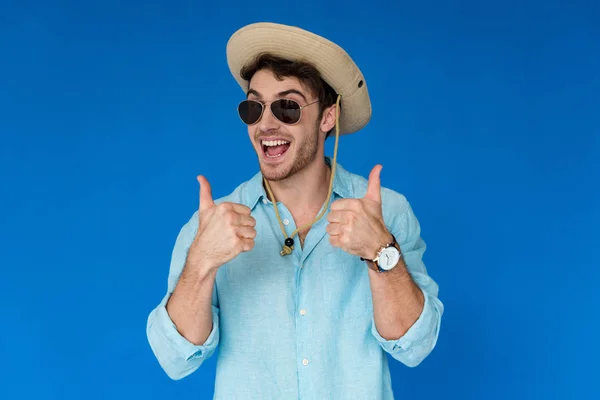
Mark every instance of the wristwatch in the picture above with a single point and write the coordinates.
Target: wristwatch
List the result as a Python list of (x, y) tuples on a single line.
[(387, 257)]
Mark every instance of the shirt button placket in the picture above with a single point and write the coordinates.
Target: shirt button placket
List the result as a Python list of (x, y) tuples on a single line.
[(303, 350)]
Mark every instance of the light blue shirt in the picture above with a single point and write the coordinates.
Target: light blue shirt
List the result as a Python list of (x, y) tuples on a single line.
[(299, 326)]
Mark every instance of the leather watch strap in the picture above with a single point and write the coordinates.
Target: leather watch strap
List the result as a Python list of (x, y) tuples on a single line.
[(392, 243)]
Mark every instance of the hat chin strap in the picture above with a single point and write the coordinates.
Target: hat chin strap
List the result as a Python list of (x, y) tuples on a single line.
[(289, 241)]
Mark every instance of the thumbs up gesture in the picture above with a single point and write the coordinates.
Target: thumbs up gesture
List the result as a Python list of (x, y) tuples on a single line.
[(224, 230), (356, 225)]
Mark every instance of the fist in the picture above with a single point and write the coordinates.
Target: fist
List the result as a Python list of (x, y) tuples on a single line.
[(356, 225), (224, 230)]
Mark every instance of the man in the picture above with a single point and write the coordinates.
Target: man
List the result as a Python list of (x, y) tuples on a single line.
[(306, 276)]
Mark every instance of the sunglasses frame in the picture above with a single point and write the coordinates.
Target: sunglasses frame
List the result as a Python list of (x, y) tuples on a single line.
[(264, 105)]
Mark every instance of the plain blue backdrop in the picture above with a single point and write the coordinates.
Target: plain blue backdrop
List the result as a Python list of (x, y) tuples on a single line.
[(485, 115)]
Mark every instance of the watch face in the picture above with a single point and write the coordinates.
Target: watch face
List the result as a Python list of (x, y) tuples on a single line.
[(389, 258)]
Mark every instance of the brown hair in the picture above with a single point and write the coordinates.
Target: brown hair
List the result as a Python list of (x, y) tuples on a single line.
[(304, 71)]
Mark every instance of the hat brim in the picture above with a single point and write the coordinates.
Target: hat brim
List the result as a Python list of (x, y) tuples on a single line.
[(292, 43)]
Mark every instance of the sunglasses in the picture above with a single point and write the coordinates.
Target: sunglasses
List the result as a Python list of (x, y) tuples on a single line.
[(285, 110)]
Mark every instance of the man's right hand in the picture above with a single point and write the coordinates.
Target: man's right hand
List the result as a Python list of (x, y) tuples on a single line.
[(224, 231)]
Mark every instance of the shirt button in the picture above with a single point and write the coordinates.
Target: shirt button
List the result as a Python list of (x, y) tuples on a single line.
[(286, 221), (265, 201), (305, 362), (303, 312)]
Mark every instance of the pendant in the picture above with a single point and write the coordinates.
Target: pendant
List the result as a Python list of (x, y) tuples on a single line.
[(287, 247)]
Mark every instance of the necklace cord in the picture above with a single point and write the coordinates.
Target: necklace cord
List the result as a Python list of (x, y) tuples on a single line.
[(287, 249)]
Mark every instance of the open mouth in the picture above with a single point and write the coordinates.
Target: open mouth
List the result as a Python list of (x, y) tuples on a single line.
[(275, 148)]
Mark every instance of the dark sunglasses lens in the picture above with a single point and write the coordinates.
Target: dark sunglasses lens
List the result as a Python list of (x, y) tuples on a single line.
[(287, 111), (250, 111)]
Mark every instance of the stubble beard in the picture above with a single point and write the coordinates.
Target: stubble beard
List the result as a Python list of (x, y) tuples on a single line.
[(306, 152)]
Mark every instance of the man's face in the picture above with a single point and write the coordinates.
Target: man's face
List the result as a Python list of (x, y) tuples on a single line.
[(283, 149)]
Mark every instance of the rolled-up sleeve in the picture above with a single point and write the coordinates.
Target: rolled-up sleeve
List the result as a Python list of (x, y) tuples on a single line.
[(420, 339), (177, 356), (416, 344)]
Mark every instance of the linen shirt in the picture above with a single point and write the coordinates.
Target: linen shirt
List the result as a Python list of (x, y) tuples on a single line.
[(299, 326)]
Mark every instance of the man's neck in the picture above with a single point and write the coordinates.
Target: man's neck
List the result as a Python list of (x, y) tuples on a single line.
[(304, 193)]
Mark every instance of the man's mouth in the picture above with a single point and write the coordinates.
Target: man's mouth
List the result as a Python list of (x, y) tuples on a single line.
[(275, 148)]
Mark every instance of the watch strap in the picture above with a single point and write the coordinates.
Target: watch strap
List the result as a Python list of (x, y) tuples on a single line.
[(392, 243), (373, 264)]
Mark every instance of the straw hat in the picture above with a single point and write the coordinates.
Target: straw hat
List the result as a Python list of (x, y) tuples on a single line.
[(292, 43)]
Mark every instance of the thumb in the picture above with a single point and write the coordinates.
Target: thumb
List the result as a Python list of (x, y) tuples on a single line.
[(374, 188), (206, 200)]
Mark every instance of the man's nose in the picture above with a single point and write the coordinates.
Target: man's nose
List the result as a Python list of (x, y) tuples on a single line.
[(268, 122)]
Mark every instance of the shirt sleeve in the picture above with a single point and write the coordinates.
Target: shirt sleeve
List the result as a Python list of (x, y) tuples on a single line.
[(177, 356), (420, 339)]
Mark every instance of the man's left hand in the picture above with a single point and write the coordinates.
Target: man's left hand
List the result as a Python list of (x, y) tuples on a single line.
[(356, 225)]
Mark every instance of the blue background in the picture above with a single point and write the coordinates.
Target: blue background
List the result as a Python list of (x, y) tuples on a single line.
[(486, 116)]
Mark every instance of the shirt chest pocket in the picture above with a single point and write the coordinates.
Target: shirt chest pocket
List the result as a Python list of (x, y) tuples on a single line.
[(345, 286)]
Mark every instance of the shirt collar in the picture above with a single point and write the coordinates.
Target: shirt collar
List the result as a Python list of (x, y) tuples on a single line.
[(255, 191)]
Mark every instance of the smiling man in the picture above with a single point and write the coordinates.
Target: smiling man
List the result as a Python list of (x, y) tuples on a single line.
[(307, 276)]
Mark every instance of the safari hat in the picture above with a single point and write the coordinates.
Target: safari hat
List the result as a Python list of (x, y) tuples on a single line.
[(292, 43)]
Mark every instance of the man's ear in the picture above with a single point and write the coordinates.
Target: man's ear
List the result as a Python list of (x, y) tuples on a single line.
[(328, 119)]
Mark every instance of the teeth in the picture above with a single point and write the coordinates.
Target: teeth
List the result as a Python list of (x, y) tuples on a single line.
[(278, 155), (274, 142)]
